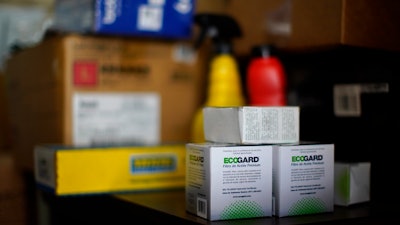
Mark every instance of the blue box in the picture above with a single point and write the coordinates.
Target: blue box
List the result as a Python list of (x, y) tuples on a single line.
[(172, 19)]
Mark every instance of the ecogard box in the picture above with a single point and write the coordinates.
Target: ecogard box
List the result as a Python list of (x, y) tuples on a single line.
[(252, 124), (95, 90), (146, 18), (228, 181), (303, 179)]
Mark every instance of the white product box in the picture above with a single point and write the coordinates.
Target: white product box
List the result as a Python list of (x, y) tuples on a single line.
[(252, 124), (228, 181), (352, 183), (303, 179)]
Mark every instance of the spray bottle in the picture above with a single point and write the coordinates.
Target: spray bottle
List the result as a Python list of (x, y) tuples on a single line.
[(266, 78), (224, 81)]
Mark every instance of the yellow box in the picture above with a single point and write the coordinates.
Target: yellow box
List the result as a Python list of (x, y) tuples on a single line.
[(72, 171)]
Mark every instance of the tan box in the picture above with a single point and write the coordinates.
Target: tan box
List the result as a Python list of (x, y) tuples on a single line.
[(14, 202), (54, 87), (302, 24), (4, 120), (360, 23)]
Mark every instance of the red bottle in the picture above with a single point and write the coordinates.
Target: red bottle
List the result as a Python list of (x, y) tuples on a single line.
[(265, 79)]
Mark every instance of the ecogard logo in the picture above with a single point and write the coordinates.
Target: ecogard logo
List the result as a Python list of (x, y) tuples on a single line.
[(110, 11), (239, 161), (307, 158)]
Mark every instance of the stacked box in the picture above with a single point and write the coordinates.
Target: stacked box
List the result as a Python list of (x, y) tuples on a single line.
[(303, 179), (302, 172), (228, 181), (252, 124)]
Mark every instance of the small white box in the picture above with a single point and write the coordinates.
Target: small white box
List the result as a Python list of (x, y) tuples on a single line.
[(352, 183), (228, 181), (252, 124), (303, 179)]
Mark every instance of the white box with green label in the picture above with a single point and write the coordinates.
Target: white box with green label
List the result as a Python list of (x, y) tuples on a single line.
[(352, 182), (303, 179), (228, 181)]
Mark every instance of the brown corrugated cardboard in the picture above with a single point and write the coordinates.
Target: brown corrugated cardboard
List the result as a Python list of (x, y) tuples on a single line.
[(4, 121), (43, 82), (361, 23), (302, 24), (13, 193)]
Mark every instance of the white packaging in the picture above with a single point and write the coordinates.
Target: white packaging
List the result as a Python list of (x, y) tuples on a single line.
[(303, 179), (352, 183), (252, 124), (228, 181)]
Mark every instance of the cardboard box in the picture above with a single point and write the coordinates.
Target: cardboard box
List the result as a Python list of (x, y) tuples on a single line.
[(14, 193), (252, 124), (300, 25), (352, 183), (73, 171), (4, 117), (160, 19), (303, 179), (228, 181), (361, 23), (92, 90), (165, 19)]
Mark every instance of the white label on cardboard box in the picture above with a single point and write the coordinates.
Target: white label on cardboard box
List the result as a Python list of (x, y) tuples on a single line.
[(347, 97), (150, 18), (116, 118), (44, 166)]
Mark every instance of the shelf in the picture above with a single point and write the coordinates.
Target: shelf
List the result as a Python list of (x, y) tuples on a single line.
[(171, 205), (168, 207)]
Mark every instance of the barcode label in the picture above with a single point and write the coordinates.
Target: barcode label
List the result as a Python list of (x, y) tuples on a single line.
[(150, 18), (202, 207), (347, 97), (184, 53), (347, 100), (44, 160)]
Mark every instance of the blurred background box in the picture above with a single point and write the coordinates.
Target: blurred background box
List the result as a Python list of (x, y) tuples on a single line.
[(302, 24), (352, 183), (4, 118), (44, 82), (360, 23), (67, 170), (162, 19)]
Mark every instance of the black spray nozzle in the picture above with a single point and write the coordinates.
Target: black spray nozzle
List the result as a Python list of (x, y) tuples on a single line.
[(219, 27), (265, 50)]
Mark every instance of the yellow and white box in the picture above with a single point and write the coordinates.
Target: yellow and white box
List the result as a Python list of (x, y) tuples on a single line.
[(71, 171), (352, 182), (303, 179), (228, 181), (252, 124)]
